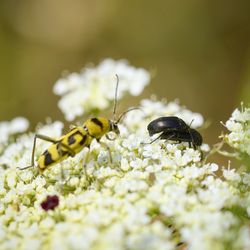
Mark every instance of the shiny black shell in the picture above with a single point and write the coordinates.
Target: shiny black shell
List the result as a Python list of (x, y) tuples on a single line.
[(166, 123)]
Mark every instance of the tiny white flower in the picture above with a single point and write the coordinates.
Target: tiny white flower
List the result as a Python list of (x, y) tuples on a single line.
[(47, 223), (246, 179), (231, 175)]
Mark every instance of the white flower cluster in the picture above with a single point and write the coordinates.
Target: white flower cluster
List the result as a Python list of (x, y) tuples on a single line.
[(150, 196), (93, 89), (18, 154), (239, 127), (7, 129)]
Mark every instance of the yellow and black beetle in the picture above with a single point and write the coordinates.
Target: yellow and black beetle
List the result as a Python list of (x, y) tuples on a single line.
[(76, 139)]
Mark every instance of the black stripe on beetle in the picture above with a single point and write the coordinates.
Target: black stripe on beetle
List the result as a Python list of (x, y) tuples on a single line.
[(84, 137), (71, 139), (47, 158), (97, 122)]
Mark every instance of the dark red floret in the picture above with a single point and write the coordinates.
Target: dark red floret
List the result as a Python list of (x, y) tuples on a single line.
[(51, 202)]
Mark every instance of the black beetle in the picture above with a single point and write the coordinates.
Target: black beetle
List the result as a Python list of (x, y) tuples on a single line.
[(164, 124), (175, 129)]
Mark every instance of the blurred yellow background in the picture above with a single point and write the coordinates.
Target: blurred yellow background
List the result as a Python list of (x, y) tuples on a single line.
[(198, 49)]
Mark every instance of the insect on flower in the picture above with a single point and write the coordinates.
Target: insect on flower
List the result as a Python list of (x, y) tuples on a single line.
[(175, 129), (51, 202), (77, 138)]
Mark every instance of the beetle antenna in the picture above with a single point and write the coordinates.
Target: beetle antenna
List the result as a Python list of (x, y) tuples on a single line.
[(115, 101), (191, 123), (191, 133), (192, 139), (124, 113)]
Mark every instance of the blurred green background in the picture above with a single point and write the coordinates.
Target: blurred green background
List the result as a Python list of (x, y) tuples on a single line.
[(199, 51)]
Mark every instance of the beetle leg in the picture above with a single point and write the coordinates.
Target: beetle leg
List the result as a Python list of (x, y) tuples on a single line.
[(159, 137), (109, 138), (45, 138), (85, 166), (49, 139), (168, 137), (192, 142), (32, 155), (144, 143), (108, 149)]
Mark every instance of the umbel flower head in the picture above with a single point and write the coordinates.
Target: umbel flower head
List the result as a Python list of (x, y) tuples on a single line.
[(9, 129), (239, 127), (150, 196), (93, 88)]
